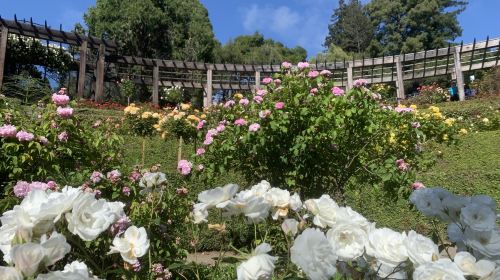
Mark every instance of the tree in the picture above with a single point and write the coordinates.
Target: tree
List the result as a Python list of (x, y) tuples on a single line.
[(256, 49), (169, 29), (350, 27), (333, 53), (413, 25)]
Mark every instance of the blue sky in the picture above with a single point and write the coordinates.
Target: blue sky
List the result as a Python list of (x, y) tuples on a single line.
[(293, 22)]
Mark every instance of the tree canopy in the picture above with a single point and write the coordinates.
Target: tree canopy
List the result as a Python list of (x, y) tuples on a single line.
[(413, 25), (256, 49), (170, 29)]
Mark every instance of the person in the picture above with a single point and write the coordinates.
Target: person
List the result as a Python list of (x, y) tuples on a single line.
[(453, 92)]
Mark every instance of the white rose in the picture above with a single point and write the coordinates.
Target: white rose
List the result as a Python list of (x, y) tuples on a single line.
[(388, 272), (420, 248), (295, 202), (27, 258), (312, 252), (199, 213), (453, 205), (151, 180), (484, 243), (259, 266), (217, 195), (347, 215), (442, 269), (59, 203), (478, 217), (494, 275), (324, 209), (261, 188), (347, 240), (73, 271), (467, 263), (134, 244), (427, 202), (484, 268), (10, 273), (485, 200), (55, 248), (90, 217), (290, 226), (455, 233), (279, 200), (116, 208), (255, 208), (387, 246)]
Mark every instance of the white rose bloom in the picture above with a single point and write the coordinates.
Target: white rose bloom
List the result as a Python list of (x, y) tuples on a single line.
[(387, 246), (255, 208), (324, 209), (134, 244), (295, 202), (420, 248), (261, 188), (455, 233), (59, 203), (259, 266), (484, 268), (347, 215), (494, 275), (74, 271), (151, 180), (116, 208), (10, 273), (312, 252), (90, 217), (388, 272), (427, 202), (200, 213), (453, 205), (55, 248), (479, 217), (442, 269), (485, 243), (290, 226), (27, 258), (485, 200), (467, 263), (278, 199), (217, 195), (347, 240)]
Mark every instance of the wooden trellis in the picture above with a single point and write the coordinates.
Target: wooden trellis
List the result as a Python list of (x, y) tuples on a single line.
[(158, 72)]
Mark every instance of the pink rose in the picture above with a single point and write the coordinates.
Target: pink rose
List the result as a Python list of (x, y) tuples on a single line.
[(258, 99), (244, 102), (64, 112), (313, 74), (360, 82), (184, 167), (337, 91), (200, 151), (401, 165), (415, 124), (267, 80), (208, 141), (325, 73), (60, 99), (277, 82), (417, 186), (200, 124), (220, 128), (114, 176), (21, 189), (313, 91), (279, 105), (286, 65), (264, 114), (63, 136), (24, 136), (261, 92), (8, 131), (229, 104), (96, 177), (240, 122), (303, 65), (254, 127)]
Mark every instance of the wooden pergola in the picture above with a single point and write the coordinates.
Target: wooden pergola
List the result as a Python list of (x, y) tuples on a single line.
[(452, 60)]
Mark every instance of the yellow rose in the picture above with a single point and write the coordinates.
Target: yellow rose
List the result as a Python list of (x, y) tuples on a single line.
[(156, 115), (449, 121), (146, 115), (185, 106), (463, 131), (203, 116), (485, 120), (434, 109), (238, 96), (438, 115), (445, 137), (413, 106), (392, 138)]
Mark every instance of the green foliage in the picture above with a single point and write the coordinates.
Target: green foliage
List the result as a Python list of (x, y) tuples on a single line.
[(407, 26), (174, 29), (350, 27), (47, 156), (139, 121), (332, 54), (354, 134), (26, 88), (256, 49), (429, 94), (172, 95), (489, 82), (127, 89)]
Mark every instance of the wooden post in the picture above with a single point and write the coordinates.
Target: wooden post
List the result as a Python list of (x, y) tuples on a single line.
[(3, 49), (257, 80), (400, 93), (99, 87), (349, 76), (459, 75), (209, 88), (81, 72), (156, 84)]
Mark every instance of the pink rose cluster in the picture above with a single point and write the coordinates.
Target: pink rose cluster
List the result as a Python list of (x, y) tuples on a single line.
[(8, 131), (325, 73), (200, 151), (24, 136), (96, 177), (286, 65), (229, 104), (244, 102), (60, 98), (401, 165), (201, 124), (134, 176), (65, 112), (184, 167), (267, 80), (23, 188), (254, 127), (240, 122), (313, 74), (63, 136), (279, 105), (337, 91), (209, 137), (303, 65), (264, 114), (114, 175), (360, 83)]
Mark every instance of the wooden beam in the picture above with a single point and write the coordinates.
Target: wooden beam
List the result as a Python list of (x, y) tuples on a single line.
[(99, 87), (458, 73), (257, 80), (3, 49), (209, 87), (399, 79), (82, 70), (156, 84), (349, 76)]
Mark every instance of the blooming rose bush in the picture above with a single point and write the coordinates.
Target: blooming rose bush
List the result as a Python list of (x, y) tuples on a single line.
[(301, 131), (324, 240), (51, 142)]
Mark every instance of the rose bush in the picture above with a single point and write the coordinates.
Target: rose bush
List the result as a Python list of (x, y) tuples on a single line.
[(328, 241), (304, 133)]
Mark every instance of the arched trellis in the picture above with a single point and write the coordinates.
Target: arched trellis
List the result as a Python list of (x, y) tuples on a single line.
[(158, 72)]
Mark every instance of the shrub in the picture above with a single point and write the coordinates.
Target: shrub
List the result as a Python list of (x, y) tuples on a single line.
[(301, 132), (429, 94), (489, 83)]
